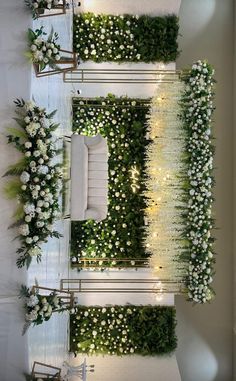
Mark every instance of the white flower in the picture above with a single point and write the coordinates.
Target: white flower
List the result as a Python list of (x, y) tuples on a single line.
[(24, 177), (24, 230), (33, 301), (28, 145), (43, 170), (29, 106), (29, 208), (34, 251), (32, 316)]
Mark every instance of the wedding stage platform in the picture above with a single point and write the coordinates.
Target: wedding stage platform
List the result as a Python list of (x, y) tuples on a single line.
[(49, 343)]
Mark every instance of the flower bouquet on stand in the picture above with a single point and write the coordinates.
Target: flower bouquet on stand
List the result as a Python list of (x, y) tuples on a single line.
[(44, 8), (39, 307), (46, 54), (37, 179)]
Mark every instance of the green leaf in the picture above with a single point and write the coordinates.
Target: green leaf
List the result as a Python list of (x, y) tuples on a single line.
[(31, 35), (19, 215), (51, 115), (17, 133), (16, 169), (12, 189)]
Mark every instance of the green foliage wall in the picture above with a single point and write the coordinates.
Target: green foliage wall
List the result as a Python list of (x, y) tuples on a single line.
[(123, 330), (123, 122), (126, 38)]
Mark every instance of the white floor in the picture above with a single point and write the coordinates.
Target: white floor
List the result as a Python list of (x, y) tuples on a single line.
[(49, 342)]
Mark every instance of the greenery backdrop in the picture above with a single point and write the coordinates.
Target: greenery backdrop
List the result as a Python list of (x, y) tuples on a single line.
[(126, 38), (123, 122), (123, 330)]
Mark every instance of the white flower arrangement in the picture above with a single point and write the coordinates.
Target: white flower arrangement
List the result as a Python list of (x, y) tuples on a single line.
[(197, 108), (39, 308), (43, 52), (38, 6), (39, 184)]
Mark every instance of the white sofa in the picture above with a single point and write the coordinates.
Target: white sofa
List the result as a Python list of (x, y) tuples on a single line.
[(89, 178)]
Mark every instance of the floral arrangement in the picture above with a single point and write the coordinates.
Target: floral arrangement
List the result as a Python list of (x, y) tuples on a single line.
[(123, 122), (123, 330), (38, 6), (125, 38), (39, 308), (197, 108), (43, 52), (37, 180)]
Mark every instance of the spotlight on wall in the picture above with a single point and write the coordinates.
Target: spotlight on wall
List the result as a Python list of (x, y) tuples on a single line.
[(79, 92), (79, 4)]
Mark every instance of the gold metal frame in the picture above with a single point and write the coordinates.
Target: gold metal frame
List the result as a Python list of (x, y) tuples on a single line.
[(131, 76), (120, 286), (61, 8), (36, 374), (66, 296), (93, 102), (120, 263), (71, 61)]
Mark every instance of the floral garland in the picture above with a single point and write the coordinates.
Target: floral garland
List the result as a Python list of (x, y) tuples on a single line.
[(39, 308), (125, 38), (39, 183), (123, 330), (37, 5), (120, 236), (197, 108), (43, 52)]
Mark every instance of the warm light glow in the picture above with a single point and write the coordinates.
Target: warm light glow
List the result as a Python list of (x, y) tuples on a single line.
[(134, 174), (163, 183)]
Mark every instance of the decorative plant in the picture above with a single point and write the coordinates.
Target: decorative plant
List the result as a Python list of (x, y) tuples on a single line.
[(37, 180), (43, 52), (197, 109), (123, 330), (124, 38), (40, 5), (39, 308), (123, 122)]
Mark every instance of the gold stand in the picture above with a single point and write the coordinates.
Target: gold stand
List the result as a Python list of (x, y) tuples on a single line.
[(123, 286), (45, 372), (69, 62), (58, 10), (121, 76), (102, 262), (67, 297)]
